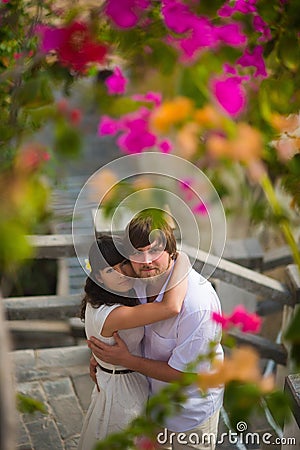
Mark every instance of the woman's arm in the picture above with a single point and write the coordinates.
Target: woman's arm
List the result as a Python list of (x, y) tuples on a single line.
[(125, 317)]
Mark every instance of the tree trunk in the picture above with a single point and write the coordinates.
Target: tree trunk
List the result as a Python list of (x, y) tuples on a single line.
[(7, 391)]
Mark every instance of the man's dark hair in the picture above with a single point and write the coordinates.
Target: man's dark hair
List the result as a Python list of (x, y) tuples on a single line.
[(138, 232)]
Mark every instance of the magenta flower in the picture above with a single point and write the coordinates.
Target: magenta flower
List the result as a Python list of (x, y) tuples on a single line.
[(221, 319), (254, 59), (165, 146), (242, 6), (231, 34), (200, 209), (185, 185), (201, 36), (154, 97), (108, 126), (262, 27), (137, 139), (227, 68), (230, 94), (177, 16), (116, 83), (136, 135), (248, 322), (51, 37), (125, 13)]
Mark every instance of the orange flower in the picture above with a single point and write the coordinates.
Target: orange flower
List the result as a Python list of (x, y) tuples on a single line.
[(171, 113), (187, 140), (218, 146), (246, 146), (142, 182), (242, 365), (208, 117)]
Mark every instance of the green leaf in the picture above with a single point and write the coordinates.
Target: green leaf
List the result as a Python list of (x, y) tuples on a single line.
[(35, 93), (29, 405), (279, 406), (67, 140), (240, 400), (288, 51), (278, 93)]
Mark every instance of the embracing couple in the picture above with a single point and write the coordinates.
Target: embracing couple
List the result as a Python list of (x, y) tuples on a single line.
[(162, 310)]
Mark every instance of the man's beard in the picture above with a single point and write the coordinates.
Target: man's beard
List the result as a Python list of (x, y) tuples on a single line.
[(157, 277)]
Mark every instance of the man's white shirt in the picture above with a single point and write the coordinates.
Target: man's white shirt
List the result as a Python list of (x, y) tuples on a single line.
[(180, 339)]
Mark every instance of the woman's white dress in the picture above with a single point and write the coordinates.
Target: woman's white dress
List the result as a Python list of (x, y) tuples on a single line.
[(122, 397)]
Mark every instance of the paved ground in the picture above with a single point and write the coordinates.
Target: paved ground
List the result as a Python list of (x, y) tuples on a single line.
[(59, 378)]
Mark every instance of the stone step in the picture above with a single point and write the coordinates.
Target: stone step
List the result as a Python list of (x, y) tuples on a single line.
[(42, 307)]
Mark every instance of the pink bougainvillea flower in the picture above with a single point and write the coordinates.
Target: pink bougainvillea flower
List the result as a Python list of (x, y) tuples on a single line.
[(177, 16), (221, 319), (51, 37), (231, 34), (227, 68), (185, 185), (201, 36), (128, 120), (248, 322), (165, 146), (242, 6), (116, 83), (154, 97), (136, 135), (137, 139), (200, 209), (108, 126), (230, 94), (74, 44), (262, 27), (254, 59), (125, 13)]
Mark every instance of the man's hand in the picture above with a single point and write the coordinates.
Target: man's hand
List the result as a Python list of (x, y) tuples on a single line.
[(93, 371), (117, 354)]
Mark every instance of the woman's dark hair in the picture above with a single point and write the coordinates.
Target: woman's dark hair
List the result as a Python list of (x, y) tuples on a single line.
[(105, 251)]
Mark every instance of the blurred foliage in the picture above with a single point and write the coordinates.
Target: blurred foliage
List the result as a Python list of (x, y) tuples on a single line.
[(29, 405)]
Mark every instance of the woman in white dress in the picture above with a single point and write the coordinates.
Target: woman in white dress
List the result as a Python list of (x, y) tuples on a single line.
[(110, 305)]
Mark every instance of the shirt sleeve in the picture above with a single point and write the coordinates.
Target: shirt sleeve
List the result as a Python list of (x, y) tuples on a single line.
[(195, 332)]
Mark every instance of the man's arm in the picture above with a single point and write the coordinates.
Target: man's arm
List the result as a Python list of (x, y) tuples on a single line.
[(119, 354)]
